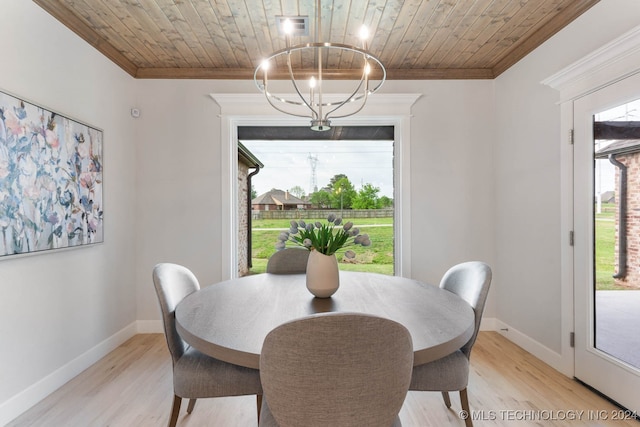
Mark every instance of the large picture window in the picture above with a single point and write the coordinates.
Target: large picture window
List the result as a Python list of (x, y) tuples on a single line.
[(312, 178)]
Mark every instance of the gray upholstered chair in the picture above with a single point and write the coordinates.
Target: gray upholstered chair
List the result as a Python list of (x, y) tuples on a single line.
[(335, 369), (470, 281), (196, 375), (288, 261)]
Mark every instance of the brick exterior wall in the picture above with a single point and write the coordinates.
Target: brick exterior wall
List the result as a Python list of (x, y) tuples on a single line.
[(243, 225), (632, 279)]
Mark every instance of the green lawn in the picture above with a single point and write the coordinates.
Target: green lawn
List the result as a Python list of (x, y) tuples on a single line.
[(376, 258), (605, 238)]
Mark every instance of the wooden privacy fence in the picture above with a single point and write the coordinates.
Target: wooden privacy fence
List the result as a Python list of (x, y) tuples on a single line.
[(323, 213)]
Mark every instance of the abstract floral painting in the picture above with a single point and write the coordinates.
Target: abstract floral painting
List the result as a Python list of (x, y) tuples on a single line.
[(50, 180)]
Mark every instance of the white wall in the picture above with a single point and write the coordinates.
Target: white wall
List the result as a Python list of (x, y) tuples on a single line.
[(527, 163), (179, 177), (452, 196), (178, 161), (58, 306)]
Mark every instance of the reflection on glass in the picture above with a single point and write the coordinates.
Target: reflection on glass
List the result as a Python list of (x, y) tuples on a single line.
[(617, 232)]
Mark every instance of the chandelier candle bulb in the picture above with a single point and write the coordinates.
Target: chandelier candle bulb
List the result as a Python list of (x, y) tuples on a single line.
[(364, 36), (287, 27)]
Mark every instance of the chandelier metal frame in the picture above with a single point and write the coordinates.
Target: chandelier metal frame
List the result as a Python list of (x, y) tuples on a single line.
[(317, 109)]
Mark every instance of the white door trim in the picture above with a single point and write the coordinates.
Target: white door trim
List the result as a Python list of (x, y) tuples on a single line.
[(612, 63), (604, 372)]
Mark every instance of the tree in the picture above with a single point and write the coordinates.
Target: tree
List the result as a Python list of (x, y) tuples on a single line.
[(385, 202), (335, 179), (297, 191), (254, 194), (321, 199), (342, 192), (367, 197)]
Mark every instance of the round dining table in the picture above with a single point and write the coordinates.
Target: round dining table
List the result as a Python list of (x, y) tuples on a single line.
[(229, 320)]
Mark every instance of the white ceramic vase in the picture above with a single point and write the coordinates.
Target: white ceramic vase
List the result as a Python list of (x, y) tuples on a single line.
[(323, 278)]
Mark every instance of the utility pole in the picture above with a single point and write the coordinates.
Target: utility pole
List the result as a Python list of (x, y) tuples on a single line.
[(313, 161)]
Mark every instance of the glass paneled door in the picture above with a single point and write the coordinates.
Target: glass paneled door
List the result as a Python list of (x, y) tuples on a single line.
[(607, 241)]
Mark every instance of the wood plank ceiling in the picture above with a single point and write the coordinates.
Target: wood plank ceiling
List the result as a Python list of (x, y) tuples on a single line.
[(227, 39)]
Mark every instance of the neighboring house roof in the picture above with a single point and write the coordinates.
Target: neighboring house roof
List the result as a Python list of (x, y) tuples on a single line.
[(622, 146), (247, 157), (278, 197), (608, 197)]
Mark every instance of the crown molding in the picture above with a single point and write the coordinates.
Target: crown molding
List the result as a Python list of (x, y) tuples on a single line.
[(610, 63), (241, 103)]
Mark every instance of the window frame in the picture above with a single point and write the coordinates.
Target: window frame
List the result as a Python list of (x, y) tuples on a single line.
[(251, 110)]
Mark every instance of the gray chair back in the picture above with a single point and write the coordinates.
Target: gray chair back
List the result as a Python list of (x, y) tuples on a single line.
[(470, 281), (288, 261), (336, 369), (173, 282)]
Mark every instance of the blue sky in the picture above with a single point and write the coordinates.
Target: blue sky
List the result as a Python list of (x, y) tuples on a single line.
[(287, 164)]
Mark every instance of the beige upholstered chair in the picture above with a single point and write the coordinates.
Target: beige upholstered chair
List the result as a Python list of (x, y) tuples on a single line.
[(196, 375), (470, 281), (288, 261), (335, 369)]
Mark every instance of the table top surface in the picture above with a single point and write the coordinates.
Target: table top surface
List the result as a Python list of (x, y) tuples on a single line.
[(229, 320)]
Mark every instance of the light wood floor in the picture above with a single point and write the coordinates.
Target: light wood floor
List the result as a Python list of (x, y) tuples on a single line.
[(508, 387)]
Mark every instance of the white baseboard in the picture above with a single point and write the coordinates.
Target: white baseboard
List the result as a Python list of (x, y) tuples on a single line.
[(489, 324), (150, 327), (21, 402), (548, 356)]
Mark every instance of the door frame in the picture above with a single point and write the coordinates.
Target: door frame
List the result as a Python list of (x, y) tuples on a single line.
[(609, 64), (593, 366), (252, 110)]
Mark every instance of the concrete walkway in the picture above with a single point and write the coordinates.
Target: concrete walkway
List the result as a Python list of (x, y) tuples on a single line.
[(618, 324)]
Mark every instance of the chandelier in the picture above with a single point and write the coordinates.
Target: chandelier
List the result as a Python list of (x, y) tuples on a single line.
[(312, 61)]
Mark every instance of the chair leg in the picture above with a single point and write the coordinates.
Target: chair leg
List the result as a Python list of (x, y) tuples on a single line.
[(259, 404), (175, 411), (464, 402), (447, 401), (192, 404)]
